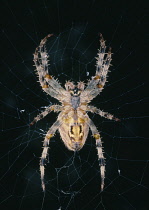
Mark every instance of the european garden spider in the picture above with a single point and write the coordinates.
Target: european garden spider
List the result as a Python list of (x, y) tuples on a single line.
[(73, 121)]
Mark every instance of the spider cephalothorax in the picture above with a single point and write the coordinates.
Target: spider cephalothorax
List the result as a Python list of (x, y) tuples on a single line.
[(73, 121)]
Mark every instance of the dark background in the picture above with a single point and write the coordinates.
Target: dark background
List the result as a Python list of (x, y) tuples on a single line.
[(73, 180)]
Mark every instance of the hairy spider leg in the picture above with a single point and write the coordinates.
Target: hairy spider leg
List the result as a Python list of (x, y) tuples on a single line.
[(47, 82), (102, 113), (55, 108), (48, 136), (101, 158), (96, 84), (99, 63)]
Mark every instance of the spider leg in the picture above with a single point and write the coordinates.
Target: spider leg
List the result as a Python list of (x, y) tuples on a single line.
[(96, 84), (101, 158), (47, 82), (102, 113), (48, 136), (55, 108)]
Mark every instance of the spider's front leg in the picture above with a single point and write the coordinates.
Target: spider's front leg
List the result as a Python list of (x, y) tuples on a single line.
[(55, 108), (102, 113), (96, 84), (47, 82), (101, 158), (48, 136)]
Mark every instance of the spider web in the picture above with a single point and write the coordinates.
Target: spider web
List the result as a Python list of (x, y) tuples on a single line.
[(73, 179)]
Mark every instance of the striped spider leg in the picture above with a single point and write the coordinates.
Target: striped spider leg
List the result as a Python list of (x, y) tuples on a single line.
[(94, 87)]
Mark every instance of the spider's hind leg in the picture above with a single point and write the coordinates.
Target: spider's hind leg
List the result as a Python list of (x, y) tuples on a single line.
[(48, 136), (101, 158)]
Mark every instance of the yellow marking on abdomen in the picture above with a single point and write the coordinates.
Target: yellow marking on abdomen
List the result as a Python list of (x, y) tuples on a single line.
[(81, 120), (68, 120)]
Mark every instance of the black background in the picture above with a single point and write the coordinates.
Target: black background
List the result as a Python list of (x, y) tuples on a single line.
[(124, 26)]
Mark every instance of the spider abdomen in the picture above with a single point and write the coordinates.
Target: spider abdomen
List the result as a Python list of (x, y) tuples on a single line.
[(74, 131)]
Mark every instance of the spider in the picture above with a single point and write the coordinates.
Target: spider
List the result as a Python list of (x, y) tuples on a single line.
[(73, 121)]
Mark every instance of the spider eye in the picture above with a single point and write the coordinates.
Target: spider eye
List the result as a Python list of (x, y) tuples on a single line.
[(76, 130), (75, 90)]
